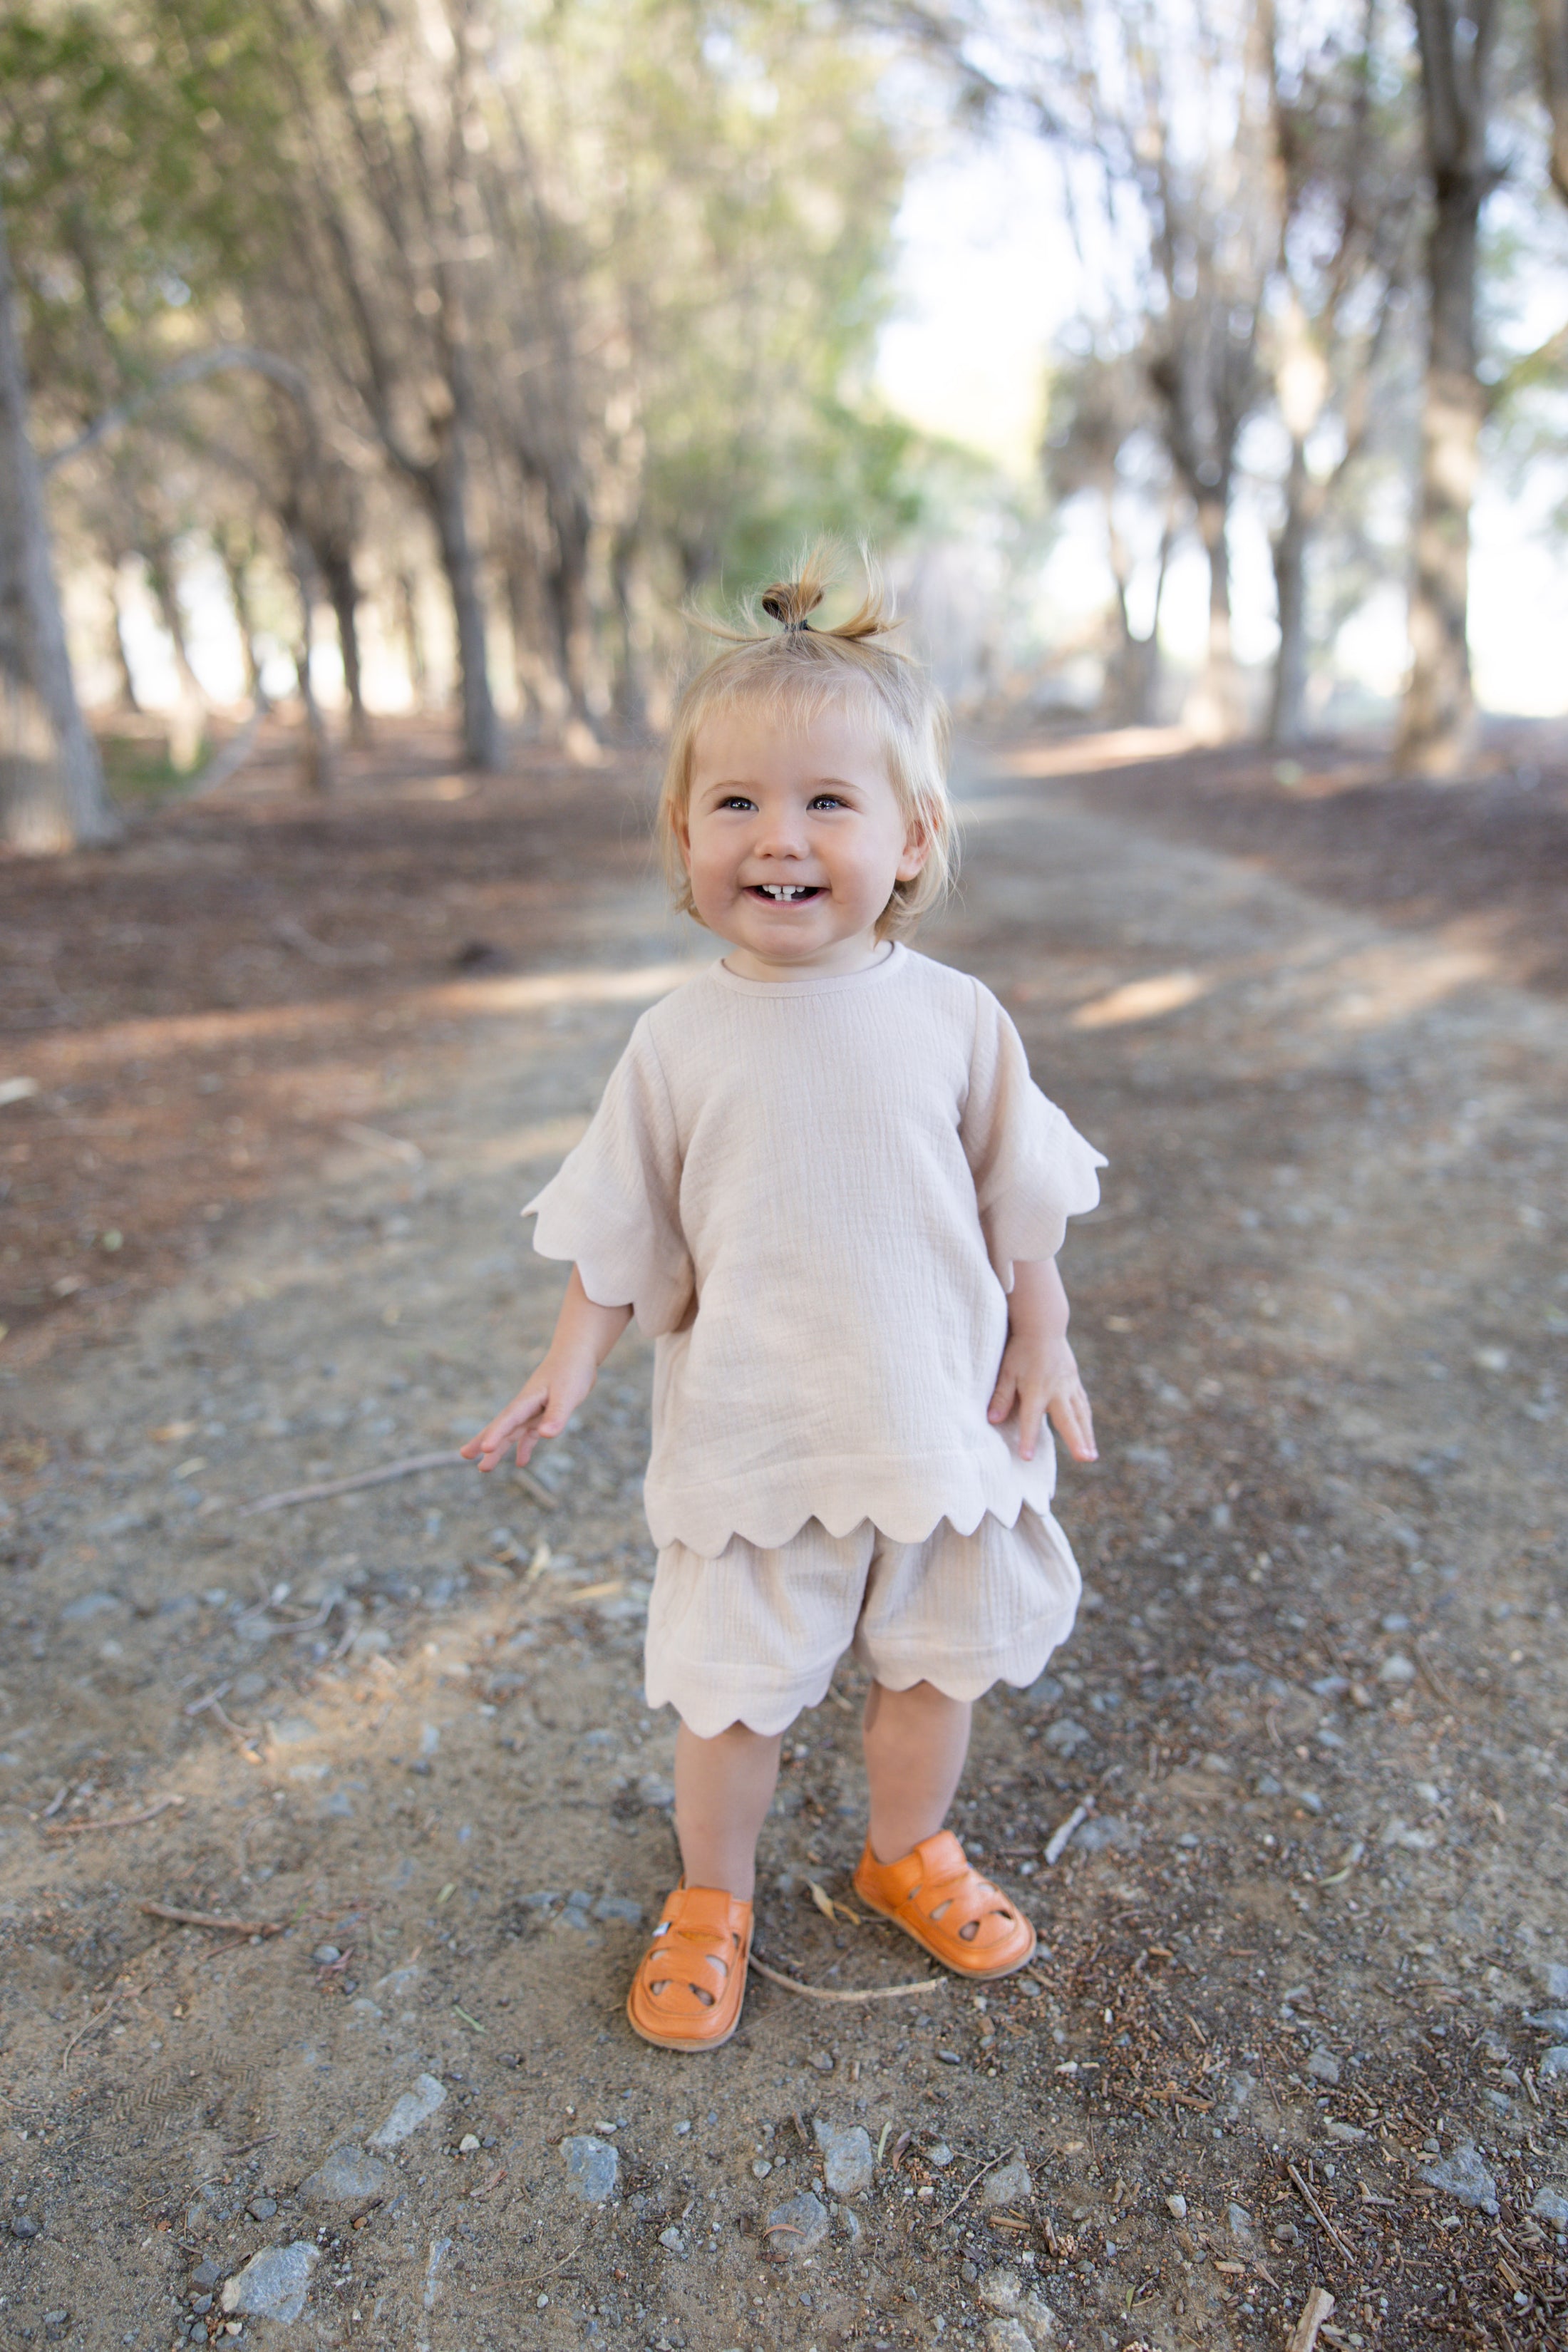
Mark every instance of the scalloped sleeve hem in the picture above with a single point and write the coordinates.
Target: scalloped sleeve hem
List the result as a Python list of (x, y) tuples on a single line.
[(1032, 1170)]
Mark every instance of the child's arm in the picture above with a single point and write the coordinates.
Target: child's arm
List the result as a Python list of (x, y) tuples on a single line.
[(584, 1334), (1038, 1374)]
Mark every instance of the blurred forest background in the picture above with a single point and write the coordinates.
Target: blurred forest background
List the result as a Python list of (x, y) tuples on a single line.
[(377, 355)]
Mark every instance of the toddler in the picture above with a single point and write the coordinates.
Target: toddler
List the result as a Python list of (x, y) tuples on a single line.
[(822, 1178)]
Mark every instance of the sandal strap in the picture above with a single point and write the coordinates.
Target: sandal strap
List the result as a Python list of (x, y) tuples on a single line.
[(700, 1942), (936, 1879)]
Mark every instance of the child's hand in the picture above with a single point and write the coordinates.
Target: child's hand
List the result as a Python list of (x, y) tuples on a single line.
[(541, 1408), (1038, 1377)]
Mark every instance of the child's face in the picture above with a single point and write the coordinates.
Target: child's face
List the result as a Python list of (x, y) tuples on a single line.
[(794, 839)]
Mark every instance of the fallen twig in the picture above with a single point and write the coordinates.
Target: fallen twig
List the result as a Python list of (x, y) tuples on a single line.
[(448, 1459), (1318, 2212), (113, 1820), (215, 1920), (1430, 1676), (1055, 1845), (395, 1147), (1317, 2306), (91, 2027), (816, 1992), (966, 2194)]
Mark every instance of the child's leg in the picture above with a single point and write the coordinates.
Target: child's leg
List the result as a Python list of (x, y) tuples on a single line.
[(723, 1788), (916, 1742)]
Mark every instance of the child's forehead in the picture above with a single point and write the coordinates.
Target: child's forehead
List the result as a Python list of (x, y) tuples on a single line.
[(755, 729)]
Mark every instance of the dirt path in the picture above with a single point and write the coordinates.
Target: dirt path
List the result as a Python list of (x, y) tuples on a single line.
[(1311, 1723)]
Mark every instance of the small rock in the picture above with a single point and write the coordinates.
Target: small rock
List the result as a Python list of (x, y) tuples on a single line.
[(1549, 2021), (761, 2169), (1043, 1691), (1065, 1737), (1102, 1832), (326, 1955), (1551, 2206), (91, 1604), (468, 2145), (846, 2157), (1238, 2092), (654, 1790), (348, 2177), (1038, 2319), (1006, 2336), (1323, 2066), (1002, 2290), (56, 2323), (797, 2228), (619, 1907), (205, 2275), (1556, 1978), (274, 2283), (1553, 2066), (1464, 2177), (414, 2107), (1395, 1671), (593, 2167), (672, 2240), (201, 2304), (25, 2227), (1239, 2221), (398, 1981), (939, 2154), (948, 2058), (1009, 2185), (262, 2209), (821, 2059), (1176, 2207)]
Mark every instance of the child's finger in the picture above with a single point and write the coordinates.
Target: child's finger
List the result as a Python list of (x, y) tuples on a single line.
[(1075, 1422), (491, 1442), (1003, 1397), (1031, 1412)]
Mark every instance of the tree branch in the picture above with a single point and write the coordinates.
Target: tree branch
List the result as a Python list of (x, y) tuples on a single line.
[(192, 370)]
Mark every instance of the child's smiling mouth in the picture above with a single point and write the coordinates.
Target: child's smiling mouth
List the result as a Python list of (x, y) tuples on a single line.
[(785, 894)]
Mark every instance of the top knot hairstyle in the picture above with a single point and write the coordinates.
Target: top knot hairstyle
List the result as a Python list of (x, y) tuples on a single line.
[(779, 658)]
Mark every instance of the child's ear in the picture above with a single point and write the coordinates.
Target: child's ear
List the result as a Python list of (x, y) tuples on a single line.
[(916, 849)]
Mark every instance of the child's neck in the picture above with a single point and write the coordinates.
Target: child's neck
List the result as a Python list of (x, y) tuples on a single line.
[(833, 961)]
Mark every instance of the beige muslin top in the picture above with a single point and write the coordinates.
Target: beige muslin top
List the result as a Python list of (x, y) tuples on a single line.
[(812, 1193)]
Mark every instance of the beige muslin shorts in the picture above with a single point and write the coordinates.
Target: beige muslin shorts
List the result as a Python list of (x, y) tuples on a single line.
[(753, 1636)]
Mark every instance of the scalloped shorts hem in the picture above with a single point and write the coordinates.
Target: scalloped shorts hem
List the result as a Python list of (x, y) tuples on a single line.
[(753, 1636)]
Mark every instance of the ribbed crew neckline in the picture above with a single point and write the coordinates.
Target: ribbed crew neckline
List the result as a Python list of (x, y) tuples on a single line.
[(814, 983)]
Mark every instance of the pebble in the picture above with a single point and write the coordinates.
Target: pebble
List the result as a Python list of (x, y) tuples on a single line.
[(847, 2158), (1556, 1980), (1553, 2066), (797, 2228), (205, 2275), (1002, 2290), (672, 2240), (821, 2059), (1006, 2336), (57, 2321), (1009, 2185), (654, 1790), (274, 2283), (1176, 2207), (1239, 2221), (326, 1955), (619, 1907), (1549, 2021), (347, 2176), (1043, 1691), (1065, 1737), (1464, 2177), (593, 2169), (25, 2227), (948, 2058), (939, 2154), (262, 2209), (414, 2107), (1396, 1670), (1323, 2066), (1102, 1832), (468, 2145), (1238, 2092), (1551, 2205)]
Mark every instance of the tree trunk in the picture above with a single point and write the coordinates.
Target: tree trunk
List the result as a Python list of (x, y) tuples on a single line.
[(413, 638), (342, 593), (188, 727), (235, 563), (1287, 699), (626, 571), (1552, 25), (1437, 723), (52, 793), (128, 694), (1213, 709), (316, 751), (447, 487), (571, 524)]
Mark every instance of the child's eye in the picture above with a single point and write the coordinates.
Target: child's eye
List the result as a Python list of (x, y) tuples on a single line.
[(736, 800), (828, 799)]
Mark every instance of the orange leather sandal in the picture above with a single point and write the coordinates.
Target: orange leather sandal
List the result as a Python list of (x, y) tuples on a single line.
[(690, 1982), (959, 1918)]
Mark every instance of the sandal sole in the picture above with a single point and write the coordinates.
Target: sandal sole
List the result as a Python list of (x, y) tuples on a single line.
[(682, 2044), (953, 1968)]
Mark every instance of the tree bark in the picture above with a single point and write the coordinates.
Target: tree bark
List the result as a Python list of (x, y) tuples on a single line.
[(446, 489), (343, 593), (1214, 710), (188, 727), (1287, 692), (52, 791), (1437, 723), (316, 753), (413, 638)]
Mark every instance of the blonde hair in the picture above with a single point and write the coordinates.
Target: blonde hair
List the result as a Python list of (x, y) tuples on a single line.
[(806, 669)]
